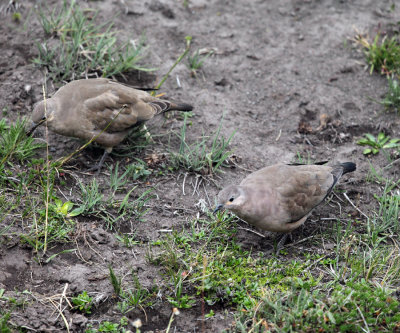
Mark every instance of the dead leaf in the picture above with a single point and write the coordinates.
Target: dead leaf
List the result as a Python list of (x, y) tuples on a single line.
[(324, 120)]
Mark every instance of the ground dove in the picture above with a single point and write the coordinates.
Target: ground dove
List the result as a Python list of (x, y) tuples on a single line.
[(280, 197), (84, 108)]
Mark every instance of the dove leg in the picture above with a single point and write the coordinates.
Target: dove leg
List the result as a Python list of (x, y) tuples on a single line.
[(281, 242), (99, 165)]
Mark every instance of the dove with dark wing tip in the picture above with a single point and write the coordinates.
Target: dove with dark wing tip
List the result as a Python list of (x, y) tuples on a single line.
[(99, 108), (280, 197)]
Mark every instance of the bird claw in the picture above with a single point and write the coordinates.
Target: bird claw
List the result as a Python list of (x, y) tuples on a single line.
[(281, 243), (99, 165)]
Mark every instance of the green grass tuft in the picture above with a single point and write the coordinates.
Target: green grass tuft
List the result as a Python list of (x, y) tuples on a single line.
[(354, 307), (206, 156), (392, 98), (376, 144), (14, 143), (83, 47), (382, 55), (196, 60), (83, 302)]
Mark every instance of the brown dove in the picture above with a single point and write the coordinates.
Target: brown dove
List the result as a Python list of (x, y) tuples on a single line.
[(280, 197), (84, 108)]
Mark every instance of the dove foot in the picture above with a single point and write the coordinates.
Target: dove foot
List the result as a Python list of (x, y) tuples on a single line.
[(99, 165), (282, 241)]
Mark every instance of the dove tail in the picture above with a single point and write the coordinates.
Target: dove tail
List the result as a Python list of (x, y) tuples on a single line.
[(348, 167), (161, 106), (180, 107)]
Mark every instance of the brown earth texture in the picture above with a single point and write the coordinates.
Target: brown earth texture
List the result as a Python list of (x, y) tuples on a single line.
[(285, 77)]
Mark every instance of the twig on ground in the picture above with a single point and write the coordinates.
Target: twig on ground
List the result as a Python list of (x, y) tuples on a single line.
[(279, 135), (391, 163), (183, 183), (208, 199), (253, 231), (354, 206), (363, 318)]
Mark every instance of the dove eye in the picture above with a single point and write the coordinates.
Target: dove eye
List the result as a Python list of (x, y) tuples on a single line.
[(231, 199)]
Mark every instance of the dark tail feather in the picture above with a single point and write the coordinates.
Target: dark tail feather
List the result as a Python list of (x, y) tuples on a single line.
[(161, 106), (348, 167), (315, 163), (180, 107), (338, 171)]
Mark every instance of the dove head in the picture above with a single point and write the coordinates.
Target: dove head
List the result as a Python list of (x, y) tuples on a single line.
[(232, 197), (42, 112)]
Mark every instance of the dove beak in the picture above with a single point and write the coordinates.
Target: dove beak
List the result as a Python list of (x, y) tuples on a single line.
[(34, 126), (218, 208)]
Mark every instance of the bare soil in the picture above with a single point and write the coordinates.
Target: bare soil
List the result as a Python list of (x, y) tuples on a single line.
[(277, 67)]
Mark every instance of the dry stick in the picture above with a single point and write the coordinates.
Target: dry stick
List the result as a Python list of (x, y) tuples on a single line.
[(175, 311), (64, 295), (354, 206), (34, 214), (363, 318), (256, 310), (80, 254), (61, 314), (183, 183), (258, 323), (205, 191), (46, 221), (196, 185), (202, 294), (279, 135), (300, 241), (253, 231), (391, 163)]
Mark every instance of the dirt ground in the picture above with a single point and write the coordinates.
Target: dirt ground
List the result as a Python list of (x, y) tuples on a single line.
[(277, 67)]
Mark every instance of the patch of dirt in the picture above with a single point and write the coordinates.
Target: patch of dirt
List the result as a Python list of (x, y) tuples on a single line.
[(283, 74)]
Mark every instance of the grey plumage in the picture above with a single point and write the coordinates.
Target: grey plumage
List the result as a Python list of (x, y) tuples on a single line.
[(280, 197), (84, 108)]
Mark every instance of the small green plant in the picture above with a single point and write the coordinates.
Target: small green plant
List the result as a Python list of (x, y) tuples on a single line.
[(137, 296), (83, 302), (116, 181), (179, 299), (91, 199), (16, 17), (134, 295), (3, 125), (382, 56), (84, 47), (377, 143), (206, 156), (63, 208), (42, 234), (127, 240), (392, 98), (14, 143), (386, 220), (4, 326), (115, 281), (110, 327), (302, 159), (138, 170), (196, 60)]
